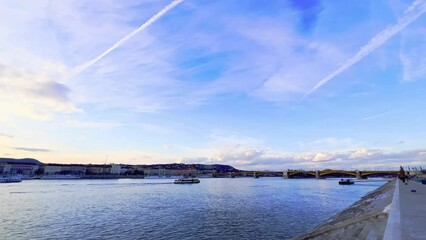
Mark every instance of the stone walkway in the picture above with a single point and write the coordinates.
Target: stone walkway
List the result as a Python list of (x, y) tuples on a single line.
[(407, 218)]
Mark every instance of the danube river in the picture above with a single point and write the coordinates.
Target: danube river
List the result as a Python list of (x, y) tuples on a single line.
[(217, 208)]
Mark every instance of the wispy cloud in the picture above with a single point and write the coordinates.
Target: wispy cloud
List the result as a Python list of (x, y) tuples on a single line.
[(413, 54), (6, 135), (375, 116), (146, 24), (32, 94), (91, 124), (330, 144), (104, 125), (412, 13), (27, 149)]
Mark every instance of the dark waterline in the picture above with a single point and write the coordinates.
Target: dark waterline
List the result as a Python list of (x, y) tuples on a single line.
[(240, 208)]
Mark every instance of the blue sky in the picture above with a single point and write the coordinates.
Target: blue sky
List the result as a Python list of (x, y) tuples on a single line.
[(255, 84)]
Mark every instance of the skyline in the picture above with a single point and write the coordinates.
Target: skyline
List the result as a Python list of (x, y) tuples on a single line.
[(286, 84)]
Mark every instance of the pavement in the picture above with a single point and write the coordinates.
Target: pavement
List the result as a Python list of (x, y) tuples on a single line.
[(407, 215)]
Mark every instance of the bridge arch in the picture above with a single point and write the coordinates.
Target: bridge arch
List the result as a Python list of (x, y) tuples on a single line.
[(365, 174), (327, 173), (301, 173)]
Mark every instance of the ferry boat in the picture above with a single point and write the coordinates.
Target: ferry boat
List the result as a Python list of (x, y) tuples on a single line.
[(187, 181), (12, 179), (346, 182)]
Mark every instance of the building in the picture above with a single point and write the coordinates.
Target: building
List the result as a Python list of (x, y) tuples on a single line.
[(61, 169), (76, 169), (190, 172), (126, 169), (96, 169), (26, 166), (4, 168), (162, 172), (115, 169), (51, 169)]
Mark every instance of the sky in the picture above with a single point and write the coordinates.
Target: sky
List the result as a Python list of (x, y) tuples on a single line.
[(262, 85)]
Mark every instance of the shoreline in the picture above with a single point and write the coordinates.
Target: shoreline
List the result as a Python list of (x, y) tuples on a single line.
[(366, 218)]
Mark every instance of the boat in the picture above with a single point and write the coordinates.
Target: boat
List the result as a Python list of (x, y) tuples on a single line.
[(346, 182), (13, 179), (187, 181)]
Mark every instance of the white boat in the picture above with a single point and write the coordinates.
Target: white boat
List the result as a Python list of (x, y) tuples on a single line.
[(187, 181), (12, 179)]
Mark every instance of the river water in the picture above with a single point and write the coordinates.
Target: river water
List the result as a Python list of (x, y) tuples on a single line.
[(217, 208)]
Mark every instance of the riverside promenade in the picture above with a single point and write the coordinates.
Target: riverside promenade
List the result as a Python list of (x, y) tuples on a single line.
[(407, 215)]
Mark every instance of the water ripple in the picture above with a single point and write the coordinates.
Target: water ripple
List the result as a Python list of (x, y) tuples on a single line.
[(246, 208)]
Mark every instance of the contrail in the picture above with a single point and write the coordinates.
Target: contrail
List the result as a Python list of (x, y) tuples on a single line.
[(375, 116), (85, 66), (412, 13)]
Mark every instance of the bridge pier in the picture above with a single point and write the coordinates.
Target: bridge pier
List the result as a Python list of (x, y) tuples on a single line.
[(358, 175), (285, 174), (231, 175), (317, 174)]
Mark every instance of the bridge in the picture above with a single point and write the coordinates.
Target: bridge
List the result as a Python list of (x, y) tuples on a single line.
[(359, 174)]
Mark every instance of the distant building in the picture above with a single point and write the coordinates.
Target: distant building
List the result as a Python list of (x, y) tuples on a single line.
[(190, 172), (115, 169), (4, 168), (56, 169), (26, 166), (162, 172), (51, 169), (76, 169), (154, 171), (31, 167), (204, 170), (95, 169), (127, 169)]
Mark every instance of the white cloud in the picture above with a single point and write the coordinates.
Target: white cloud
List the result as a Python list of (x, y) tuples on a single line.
[(32, 94), (413, 54), (363, 153), (319, 157)]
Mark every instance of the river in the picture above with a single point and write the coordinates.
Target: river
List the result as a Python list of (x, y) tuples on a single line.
[(216, 208)]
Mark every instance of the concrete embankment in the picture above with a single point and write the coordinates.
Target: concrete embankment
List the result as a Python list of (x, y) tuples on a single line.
[(365, 219)]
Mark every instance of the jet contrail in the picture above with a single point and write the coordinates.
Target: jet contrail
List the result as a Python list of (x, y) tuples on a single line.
[(412, 13), (375, 116), (85, 66)]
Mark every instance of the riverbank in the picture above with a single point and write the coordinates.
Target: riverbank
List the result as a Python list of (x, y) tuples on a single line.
[(365, 219)]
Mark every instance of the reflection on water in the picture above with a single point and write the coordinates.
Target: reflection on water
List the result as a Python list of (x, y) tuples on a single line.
[(238, 208)]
